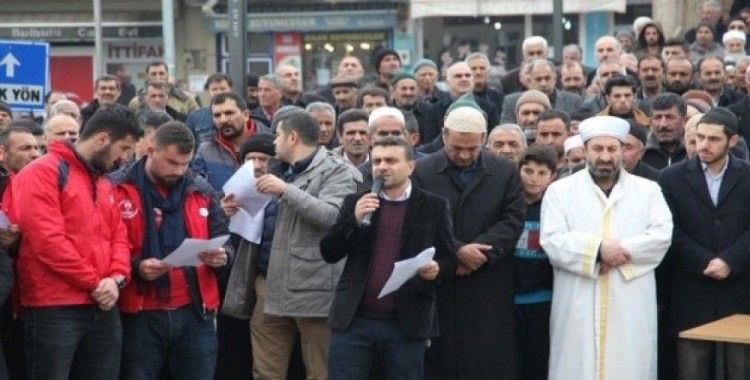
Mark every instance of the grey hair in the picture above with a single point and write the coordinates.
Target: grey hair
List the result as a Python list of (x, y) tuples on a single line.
[(617, 42), (56, 108), (510, 127), (575, 47), (477, 55), (315, 107), (533, 40), (273, 79), (539, 61)]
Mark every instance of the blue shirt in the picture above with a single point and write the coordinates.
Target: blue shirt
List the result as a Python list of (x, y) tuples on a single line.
[(714, 181)]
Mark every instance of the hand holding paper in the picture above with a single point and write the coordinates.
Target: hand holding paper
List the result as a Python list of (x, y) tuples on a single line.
[(187, 254), (242, 186), (404, 270)]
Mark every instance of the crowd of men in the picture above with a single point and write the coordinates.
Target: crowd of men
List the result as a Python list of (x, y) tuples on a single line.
[(580, 219)]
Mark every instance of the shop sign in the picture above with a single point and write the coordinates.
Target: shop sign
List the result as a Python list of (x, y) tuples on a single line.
[(313, 21)]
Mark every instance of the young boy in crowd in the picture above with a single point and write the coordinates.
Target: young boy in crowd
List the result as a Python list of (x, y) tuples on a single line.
[(533, 272)]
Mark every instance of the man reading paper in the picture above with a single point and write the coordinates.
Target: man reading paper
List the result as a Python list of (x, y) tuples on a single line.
[(604, 231), (169, 312), (406, 220)]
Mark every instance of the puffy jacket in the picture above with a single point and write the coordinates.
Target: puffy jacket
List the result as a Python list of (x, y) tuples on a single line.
[(203, 217), (72, 232), (216, 159)]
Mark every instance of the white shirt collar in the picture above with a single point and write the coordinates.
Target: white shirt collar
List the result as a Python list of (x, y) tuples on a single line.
[(404, 196)]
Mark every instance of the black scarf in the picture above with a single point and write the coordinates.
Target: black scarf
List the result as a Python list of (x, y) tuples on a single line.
[(161, 241)]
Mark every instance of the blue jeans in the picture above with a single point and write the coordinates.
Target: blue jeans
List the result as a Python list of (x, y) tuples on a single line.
[(179, 342), (80, 342), (352, 352)]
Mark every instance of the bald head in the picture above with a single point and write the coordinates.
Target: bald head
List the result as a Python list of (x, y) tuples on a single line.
[(60, 128), (290, 76), (460, 79), (607, 48)]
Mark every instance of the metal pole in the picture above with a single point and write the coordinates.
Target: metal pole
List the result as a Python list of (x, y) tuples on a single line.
[(98, 56), (557, 29), (237, 42), (167, 30)]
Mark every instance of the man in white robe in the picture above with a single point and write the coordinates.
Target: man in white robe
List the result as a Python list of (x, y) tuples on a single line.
[(605, 231)]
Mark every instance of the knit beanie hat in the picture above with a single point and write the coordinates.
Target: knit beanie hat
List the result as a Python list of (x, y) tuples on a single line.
[(533, 96)]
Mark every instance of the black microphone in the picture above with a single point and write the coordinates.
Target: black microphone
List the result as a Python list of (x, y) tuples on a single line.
[(377, 185)]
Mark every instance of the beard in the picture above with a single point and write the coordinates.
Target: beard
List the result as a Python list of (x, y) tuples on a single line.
[(599, 172), (677, 87), (229, 131), (100, 160)]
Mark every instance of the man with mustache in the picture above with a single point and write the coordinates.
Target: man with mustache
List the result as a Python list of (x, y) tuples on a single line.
[(543, 77), (604, 231), (664, 146), (351, 127), (712, 79), (74, 255), (217, 159), (107, 90), (651, 75), (405, 96)]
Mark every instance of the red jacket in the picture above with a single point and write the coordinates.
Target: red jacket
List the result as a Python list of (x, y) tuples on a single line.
[(72, 236), (198, 208)]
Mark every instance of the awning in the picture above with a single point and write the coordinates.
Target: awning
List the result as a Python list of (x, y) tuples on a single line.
[(446, 8)]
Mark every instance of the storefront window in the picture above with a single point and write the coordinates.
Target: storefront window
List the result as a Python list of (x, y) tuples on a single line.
[(542, 26), (449, 39), (259, 49)]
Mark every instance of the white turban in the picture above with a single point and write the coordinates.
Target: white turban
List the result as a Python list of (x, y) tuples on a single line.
[(609, 126), (733, 35), (572, 142)]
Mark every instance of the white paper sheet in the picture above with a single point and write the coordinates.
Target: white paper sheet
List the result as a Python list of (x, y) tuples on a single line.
[(406, 269), (242, 185), (247, 226), (186, 255), (4, 221)]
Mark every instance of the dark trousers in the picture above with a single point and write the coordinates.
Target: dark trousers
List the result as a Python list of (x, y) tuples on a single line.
[(179, 343), (80, 342), (532, 340), (351, 352), (696, 360), (11, 335), (235, 358)]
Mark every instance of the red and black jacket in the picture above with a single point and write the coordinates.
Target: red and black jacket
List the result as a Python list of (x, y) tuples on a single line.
[(204, 218)]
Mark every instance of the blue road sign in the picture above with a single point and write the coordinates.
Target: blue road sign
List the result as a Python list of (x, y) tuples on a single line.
[(24, 74)]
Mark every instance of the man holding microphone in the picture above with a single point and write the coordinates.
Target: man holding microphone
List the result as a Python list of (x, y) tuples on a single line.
[(403, 221)]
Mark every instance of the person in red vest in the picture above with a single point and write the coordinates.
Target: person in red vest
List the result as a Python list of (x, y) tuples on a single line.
[(169, 313)]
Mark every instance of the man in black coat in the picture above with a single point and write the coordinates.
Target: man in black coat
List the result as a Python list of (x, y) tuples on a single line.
[(475, 309), (405, 221), (710, 203)]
